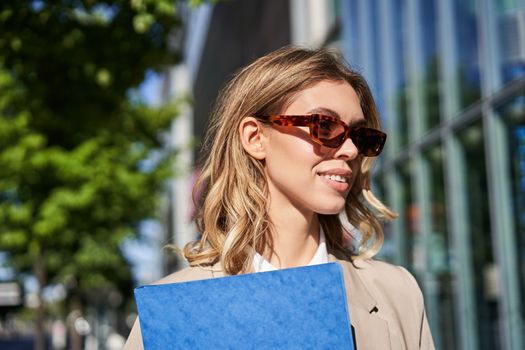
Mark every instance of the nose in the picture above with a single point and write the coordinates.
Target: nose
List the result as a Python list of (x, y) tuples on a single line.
[(347, 151)]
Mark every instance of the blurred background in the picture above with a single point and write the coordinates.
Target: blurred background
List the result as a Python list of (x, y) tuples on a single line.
[(103, 105)]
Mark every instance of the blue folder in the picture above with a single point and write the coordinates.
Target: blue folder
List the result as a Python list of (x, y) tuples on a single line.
[(297, 308)]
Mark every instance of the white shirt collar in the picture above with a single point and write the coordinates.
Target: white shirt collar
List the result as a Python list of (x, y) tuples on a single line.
[(260, 264)]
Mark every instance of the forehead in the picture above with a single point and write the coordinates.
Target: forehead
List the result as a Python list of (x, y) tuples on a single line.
[(336, 98)]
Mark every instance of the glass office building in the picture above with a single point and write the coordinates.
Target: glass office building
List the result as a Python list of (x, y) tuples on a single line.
[(449, 80)]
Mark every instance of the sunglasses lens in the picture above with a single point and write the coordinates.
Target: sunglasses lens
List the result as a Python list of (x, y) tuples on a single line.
[(330, 133), (368, 141)]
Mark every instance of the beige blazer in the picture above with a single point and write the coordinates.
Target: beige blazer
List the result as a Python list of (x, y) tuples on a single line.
[(384, 301)]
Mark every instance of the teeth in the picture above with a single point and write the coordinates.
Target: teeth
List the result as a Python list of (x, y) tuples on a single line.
[(337, 178)]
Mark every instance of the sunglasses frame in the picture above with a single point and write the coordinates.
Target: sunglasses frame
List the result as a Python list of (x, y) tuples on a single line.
[(312, 122)]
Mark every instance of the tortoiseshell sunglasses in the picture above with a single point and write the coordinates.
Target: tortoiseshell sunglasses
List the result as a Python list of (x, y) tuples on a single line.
[(332, 132)]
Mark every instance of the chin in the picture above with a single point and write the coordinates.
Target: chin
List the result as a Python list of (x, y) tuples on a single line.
[(329, 212), (330, 208)]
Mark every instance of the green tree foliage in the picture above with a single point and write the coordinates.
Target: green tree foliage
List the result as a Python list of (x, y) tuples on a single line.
[(77, 204), (73, 178), (79, 58)]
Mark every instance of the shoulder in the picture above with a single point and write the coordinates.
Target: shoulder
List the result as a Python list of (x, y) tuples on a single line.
[(191, 273), (390, 282), (384, 272)]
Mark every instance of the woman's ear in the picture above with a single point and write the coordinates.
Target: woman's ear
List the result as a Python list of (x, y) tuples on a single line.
[(252, 138)]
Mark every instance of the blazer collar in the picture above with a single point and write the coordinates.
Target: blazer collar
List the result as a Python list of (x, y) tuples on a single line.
[(215, 270), (357, 292)]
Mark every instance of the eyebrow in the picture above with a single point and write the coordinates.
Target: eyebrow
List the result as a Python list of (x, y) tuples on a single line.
[(325, 111), (330, 112), (357, 123)]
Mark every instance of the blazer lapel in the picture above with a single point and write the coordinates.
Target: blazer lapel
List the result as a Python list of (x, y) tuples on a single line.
[(371, 330), (216, 270)]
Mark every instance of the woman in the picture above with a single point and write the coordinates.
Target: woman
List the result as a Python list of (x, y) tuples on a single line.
[(290, 147)]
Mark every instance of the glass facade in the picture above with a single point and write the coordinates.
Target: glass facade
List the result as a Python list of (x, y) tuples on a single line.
[(449, 79), (513, 112), (427, 23), (510, 16), (486, 285), (466, 21)]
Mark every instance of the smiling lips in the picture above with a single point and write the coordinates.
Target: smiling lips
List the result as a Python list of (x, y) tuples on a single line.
[(338, 179)]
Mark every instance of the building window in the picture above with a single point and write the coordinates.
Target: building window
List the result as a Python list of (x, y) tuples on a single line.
[(513, 112)]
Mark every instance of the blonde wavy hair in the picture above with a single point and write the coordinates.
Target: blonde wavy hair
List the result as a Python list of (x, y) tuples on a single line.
[(232, 209)]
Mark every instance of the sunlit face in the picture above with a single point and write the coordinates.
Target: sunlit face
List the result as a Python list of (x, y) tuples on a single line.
[(304, 174)]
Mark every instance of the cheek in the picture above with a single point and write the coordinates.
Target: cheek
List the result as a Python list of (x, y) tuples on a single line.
[(289, 163), (291, 160), (292, 151)]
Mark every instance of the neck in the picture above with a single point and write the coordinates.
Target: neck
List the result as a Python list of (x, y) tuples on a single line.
[(295, 237)]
